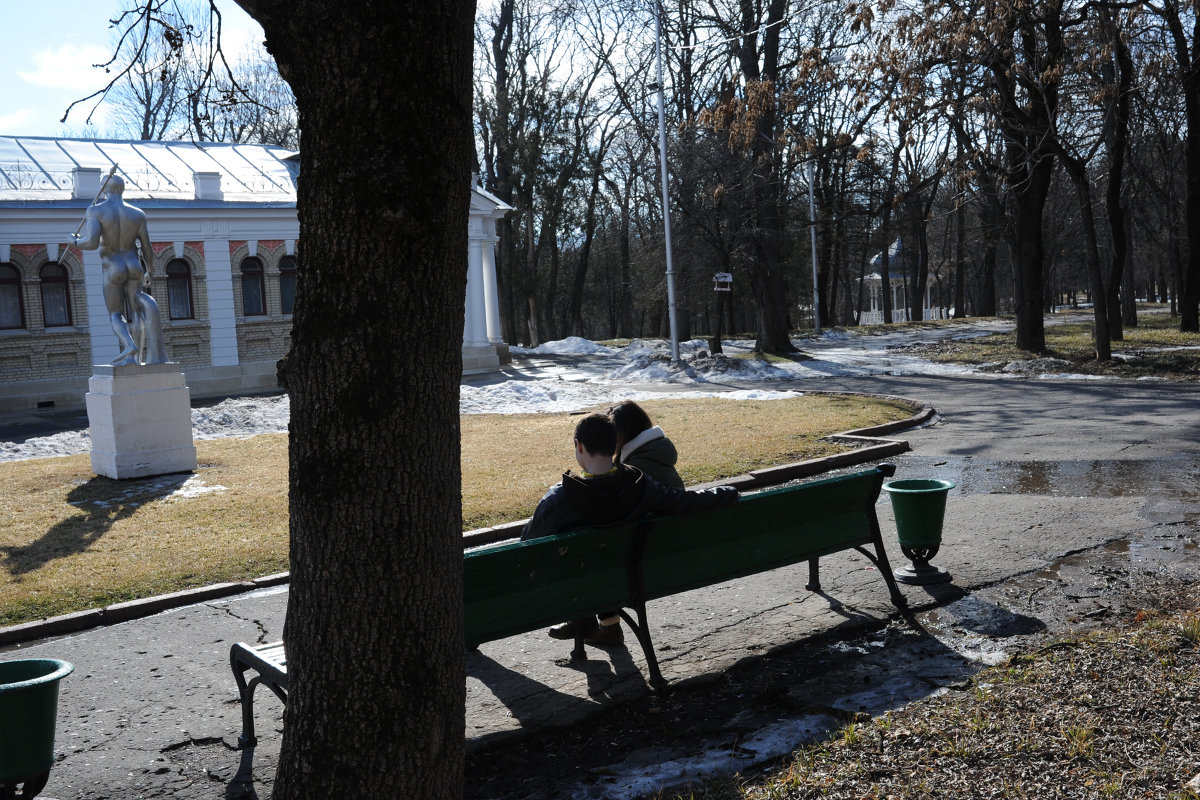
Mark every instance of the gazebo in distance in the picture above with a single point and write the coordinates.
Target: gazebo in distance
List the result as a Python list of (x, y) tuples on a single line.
[(899, 261)]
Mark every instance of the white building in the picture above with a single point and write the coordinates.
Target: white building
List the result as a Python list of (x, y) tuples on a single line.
[(222, 219)]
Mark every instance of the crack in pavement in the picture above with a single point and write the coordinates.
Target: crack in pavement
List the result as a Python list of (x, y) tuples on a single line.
[(262, 629)]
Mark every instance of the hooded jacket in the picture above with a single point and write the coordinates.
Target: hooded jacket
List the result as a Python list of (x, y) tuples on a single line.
[(654, 454), (620, 496)]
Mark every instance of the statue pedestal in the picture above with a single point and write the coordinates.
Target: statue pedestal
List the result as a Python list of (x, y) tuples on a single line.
[(141, 421)]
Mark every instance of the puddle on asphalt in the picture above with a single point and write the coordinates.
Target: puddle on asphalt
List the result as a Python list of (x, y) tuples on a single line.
[(1171, 478)]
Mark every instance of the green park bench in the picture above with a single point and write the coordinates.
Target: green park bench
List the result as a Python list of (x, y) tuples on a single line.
[(517, 587)]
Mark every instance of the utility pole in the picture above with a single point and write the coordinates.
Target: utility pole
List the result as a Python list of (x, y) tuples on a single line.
[(666, 197)]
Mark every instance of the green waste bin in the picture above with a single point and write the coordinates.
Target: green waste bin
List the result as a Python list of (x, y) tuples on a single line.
[(28, 711), (919, 506)]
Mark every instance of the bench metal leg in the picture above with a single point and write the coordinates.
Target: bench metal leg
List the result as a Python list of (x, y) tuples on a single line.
[(579, 653), (814, 575), (248, 739), (270, 675), (880, 560), (642, 631), (245, 698), (28, 787)]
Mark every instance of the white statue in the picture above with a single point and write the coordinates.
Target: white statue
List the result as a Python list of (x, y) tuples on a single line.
[(117, 228)]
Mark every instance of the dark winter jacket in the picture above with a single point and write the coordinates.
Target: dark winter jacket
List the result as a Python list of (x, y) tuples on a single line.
[(654, 454), (623, 495)]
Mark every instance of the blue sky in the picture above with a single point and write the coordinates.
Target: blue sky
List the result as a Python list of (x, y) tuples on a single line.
[(49, 49)]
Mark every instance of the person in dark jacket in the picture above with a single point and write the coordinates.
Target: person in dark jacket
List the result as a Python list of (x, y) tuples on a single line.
[(642, 444), (605, 493)]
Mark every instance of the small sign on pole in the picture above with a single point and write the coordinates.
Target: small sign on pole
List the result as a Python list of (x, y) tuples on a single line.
[(722, 282)]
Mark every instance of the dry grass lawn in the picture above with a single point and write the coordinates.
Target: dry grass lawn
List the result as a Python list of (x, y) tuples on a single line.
[(1155, 348), (73, 540)]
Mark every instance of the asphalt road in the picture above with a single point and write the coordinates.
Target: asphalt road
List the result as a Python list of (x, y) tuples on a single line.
[(1058, 481)]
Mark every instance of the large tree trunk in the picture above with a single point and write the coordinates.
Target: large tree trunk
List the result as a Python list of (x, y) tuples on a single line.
[(1117, 144), (575, 313), (502, 187), (1028, 198), (374, 619), (1077, 170), (1189, 296), (960, 259), (1184, 42), (625, 313)]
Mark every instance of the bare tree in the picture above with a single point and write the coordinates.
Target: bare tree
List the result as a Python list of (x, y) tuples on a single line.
[(175, 82)]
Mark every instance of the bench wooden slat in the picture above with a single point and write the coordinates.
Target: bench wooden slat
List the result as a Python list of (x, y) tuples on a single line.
[(761, 532), (514, 588)]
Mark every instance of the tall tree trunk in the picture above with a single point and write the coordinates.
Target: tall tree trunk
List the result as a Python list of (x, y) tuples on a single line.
[(767, 270), (502, 187), (625, 313), (548, 320), (991, 222), (960, 259), (532, 321), (1077, 170), (1028, 198), (1184, 42), (922, 272), (1117, 145), (574, 314), (374, 619)]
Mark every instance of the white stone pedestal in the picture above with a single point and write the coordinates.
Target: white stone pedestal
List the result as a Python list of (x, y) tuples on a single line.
[(479, 357), (141, 421)]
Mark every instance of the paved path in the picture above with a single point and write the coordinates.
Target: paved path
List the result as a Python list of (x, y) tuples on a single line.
[(1045, 470)]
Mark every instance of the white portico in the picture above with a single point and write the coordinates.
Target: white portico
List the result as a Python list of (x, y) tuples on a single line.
[(483, 347)]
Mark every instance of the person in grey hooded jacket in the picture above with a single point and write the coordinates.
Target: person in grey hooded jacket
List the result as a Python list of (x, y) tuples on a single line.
[(642, 444)]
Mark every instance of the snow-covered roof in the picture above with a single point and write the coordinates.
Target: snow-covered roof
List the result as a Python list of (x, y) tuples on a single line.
[(485, 203), (40, 169), (897, 260)]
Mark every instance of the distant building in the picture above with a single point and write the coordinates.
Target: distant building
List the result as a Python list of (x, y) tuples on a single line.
[(222, 218)]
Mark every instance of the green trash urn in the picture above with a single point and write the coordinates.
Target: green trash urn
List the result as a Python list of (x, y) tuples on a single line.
[(28, 710), (919, 505)]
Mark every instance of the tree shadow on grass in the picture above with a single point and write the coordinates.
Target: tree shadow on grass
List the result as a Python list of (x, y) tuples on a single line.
[(102, 502)]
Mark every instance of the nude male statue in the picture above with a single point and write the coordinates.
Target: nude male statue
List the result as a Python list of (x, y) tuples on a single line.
[(117, 228)]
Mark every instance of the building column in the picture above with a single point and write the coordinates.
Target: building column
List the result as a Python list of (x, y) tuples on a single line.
[(218, 274), (491, 297), (475, 322)]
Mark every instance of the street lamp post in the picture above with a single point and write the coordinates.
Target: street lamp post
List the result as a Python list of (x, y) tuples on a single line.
[(812, 214), (666, 205)]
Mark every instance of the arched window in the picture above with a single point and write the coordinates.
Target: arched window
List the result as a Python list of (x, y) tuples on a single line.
[(56, 296), (12, 312), (179, 289), (253, 291), (287, 284)]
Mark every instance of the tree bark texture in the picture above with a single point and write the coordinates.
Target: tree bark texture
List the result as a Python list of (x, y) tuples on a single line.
[(374, 618)]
